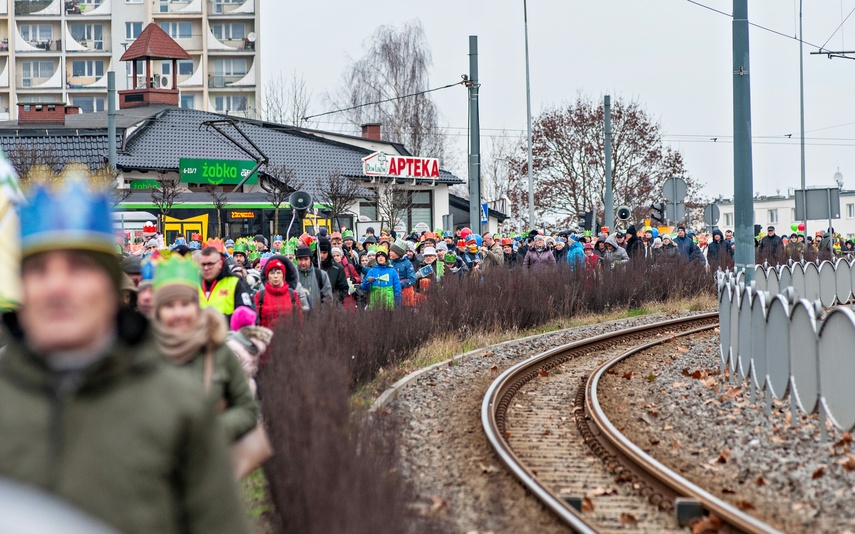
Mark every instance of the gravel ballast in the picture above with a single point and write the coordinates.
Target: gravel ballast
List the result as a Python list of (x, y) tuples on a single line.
[(672, 401)]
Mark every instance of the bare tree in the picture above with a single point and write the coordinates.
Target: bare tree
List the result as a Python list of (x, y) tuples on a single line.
[(165, 196), (277, 182), (286, 100), (338, 193), (218, 199), (393, 203), (34, 164), (395, 65)]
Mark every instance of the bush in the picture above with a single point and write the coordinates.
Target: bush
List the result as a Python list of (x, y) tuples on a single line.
[(333, 472)]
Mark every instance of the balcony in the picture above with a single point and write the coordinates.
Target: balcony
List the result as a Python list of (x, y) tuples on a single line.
[(37, 7), (193, 7), (95, 8), (220, 8), (94, 46)]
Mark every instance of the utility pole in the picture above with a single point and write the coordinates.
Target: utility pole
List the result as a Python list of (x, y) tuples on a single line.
[(743, 180), (111, 120), (532, 222), (474, 139), (802, 114), (609, 208)]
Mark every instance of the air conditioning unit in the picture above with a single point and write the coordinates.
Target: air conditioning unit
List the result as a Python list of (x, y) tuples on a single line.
[(140, 82), (164, 82)]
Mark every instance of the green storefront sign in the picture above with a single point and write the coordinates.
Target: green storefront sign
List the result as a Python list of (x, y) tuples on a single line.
[(216, 171), (145, 184)]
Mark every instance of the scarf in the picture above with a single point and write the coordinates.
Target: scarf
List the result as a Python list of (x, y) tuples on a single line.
[(180, 346)]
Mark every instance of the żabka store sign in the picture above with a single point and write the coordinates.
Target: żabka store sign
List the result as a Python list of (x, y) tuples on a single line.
[(382, 164)]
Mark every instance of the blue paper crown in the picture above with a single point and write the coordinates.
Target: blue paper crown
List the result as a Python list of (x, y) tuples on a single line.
[(278, 238), (70, 218)]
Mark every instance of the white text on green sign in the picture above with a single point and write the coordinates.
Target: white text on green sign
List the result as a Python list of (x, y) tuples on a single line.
[(216, 171)]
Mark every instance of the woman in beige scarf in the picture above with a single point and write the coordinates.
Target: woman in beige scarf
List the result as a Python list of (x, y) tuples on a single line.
[(195, 340)]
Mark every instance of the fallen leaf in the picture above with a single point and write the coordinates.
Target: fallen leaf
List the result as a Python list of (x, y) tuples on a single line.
[(679, 384), (494, 368), (650, 378), (653, 413), (686, 372), (587, 505), (848, 463), (627, 519), (818, 473), (709, 382), (542, 372), (676, 445), (507, 435), (438, 504), (682, 349), (732, 393), (628, 375), (489, 354), (760, 481), (654, 442), (599, 491), (710, 523), (745, 506), (487, 468), (697, 375), (547, 432), (723, 456), (728, 491), (611, 372)]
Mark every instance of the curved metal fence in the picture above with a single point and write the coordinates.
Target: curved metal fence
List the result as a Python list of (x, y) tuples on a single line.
[(783, 334)]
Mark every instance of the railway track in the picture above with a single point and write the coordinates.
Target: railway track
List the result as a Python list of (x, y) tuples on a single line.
[(542, 417)]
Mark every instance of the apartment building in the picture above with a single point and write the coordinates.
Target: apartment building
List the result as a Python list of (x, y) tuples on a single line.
[(61, 50)]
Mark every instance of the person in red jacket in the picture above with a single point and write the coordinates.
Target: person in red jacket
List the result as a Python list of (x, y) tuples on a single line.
[(276, 299)]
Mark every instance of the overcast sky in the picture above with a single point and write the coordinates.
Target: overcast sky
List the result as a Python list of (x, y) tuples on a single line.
[(672, 55)]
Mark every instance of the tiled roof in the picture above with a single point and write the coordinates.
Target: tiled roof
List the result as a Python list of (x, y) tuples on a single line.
[(154, 43), (179, 133), (58, 150)]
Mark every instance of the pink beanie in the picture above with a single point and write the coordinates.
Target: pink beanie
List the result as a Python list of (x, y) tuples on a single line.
[(243, 316)]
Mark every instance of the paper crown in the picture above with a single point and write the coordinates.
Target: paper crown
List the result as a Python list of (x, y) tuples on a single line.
[(177, 270), (149, 228), (277, 238), (72, 217), (216, 243)]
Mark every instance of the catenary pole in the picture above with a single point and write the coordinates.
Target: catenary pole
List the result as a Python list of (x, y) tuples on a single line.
[(607, 119), (532, 222), (474, 140), (802, 116), (743, 181), (111, 120)]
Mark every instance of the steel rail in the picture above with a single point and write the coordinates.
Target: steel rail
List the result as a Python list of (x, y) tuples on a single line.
[(726, 512), (495, 400)]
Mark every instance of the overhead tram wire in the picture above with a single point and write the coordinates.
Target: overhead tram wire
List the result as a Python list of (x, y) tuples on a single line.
[(308, 117)]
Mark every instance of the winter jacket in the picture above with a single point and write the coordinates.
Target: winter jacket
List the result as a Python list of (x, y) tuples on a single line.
[(641, 250), (275, 302), (226, 293), (317, 294), (688, 249), (406, 273), (510, 260), (338, 280), (667, 251), (592, 261), (616, 256), (130, 439), (560, 255), (537, 260), (771, 244), (575, 254), (493, 257), (384, 285), (719, 250), (459, 269)]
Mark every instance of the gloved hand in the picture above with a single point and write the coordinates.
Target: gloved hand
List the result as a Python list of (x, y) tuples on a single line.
[(371, 279), (419, 275)]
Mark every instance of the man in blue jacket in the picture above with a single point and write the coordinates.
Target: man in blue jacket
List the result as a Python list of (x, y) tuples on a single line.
[(687, 247), (575, 252)]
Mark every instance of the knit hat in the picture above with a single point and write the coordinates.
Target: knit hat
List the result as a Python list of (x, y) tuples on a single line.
[(273, 264), (430, 251), (131, 265), (336, 250), (303, 252), (441, 247), (152, 243), (324, 244), (657, 241), (241, 317), (399, 248), (631, 230), (588, 246)]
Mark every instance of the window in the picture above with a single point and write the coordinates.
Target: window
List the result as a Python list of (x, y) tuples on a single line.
[(230, 67), (728, 219), (178, 30), (89, 32), (36, 69), (37, 99), (225, 32), (37, 32), (850, 211), (230, 103), (185, 68), (87, 68), (166, 68), (187, 101), (368, 209), (419, 210), (773, 216), (133, 29), (89, 104)]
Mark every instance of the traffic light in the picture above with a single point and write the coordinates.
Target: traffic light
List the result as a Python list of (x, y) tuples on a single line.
[(657, 211), (586, 219)]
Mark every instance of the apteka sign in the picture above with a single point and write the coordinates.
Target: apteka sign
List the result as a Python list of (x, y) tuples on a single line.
[(382, 164)]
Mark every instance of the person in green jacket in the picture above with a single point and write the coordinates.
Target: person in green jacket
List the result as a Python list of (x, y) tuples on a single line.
[(193, 338), (89, 411)]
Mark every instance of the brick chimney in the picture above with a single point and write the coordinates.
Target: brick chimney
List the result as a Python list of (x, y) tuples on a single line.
[(371, 130), (45, 113)]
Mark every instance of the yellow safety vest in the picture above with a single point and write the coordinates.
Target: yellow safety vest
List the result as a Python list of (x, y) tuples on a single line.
[(222, 297)]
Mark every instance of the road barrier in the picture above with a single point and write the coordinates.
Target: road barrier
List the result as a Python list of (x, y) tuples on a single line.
[(785, 336)]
